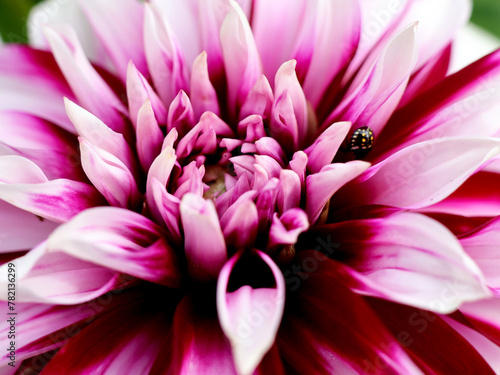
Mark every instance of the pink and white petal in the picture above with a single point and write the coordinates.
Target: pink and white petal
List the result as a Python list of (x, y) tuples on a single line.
[(265, 23), (410, 259), (167, 208), (21, 230), (202, 93), (286, 81), (25, 186), (250, 317), (118, 27), (34, 84), (337, 23), (58, 278), (94, 130), (110, 176), (240, 223), (47, 145), (138, 92), (482, 246), (378, 87), (343, 337), (421, 174), (198, 345), (149, 137), (270, 147), (322, 185), (204, 243), (324, 148), (181, 114), (105, 347), (423, 334), (89, 87), (120, 240), (164, 57), (285, 230), (484, 317), (298, 165), (241, 58)]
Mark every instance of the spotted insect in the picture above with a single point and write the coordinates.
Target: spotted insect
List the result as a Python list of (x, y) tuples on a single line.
[(361, 141)]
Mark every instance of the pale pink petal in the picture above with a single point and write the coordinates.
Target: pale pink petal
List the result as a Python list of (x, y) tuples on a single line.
[(92, 92), (149, 137), (322, 185), (34, 84), (285, 230), (180, 114), (326, 145), (48, 146), (110, 176), (241, 58), (270, 147), (166, 208), (58, 278), (284, 124), (99, 134), (120, 240), (252, 127), (259, 100), (202, 93), (116, 23), (410, 259), (421, 174), (286, 81), (250, 317), (298, 165), (138, 92), (21, 230), (164, 57), (204, 242), (484, 317)]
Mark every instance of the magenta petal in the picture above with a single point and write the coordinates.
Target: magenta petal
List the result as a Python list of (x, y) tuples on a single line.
[(410, 259), (324, 148), (59, 278), (120, 240), (116, 24), (322, 185), (240, 223), (164, 57), (180, 113), (419, 176), (290, 191), (89, 87), (110, 176), (149, 137), (202, 93), (259, 100), (250, 317), (34, 84), (138, 92), (286, 229), (241, 58), (204, 242)]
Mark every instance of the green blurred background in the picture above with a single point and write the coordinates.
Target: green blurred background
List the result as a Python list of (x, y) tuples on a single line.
[(13, 15)]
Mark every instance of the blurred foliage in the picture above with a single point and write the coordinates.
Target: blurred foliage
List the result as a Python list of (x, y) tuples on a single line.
[(13, 15)]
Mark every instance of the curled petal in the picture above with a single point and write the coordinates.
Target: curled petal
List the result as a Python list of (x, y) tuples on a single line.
[(250, 317), (149, 136), (204, 242), (240, 223), (286, 229), (180, 114), (290, 190), (259, 100), (322, 185)]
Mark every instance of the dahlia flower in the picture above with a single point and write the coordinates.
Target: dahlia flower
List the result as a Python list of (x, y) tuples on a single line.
[(251, 187)]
